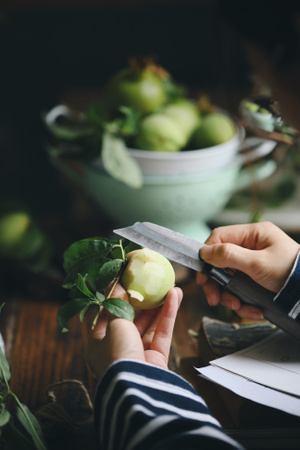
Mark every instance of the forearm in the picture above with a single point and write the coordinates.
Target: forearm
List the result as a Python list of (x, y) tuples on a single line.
[(140, 406)]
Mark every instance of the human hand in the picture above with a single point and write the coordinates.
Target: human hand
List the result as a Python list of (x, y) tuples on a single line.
[(147, 339), (261, 250)]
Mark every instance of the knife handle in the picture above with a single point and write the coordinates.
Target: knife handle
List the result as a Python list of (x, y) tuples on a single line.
[(251, 293)]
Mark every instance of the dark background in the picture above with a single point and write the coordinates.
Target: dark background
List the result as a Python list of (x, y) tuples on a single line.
[(51, 51)]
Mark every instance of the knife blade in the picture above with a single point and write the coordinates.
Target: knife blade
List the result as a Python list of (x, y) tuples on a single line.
[(184, 250)]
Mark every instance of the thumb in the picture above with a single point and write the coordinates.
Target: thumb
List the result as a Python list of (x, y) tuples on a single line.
[(230, 255)]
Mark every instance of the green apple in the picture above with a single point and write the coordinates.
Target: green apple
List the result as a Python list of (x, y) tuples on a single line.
[(215, 128), (13, 231), (186, 114), (147, 278), (160, 133), (142, 90)]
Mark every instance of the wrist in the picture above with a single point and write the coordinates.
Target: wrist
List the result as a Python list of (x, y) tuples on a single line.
[(288, 298)]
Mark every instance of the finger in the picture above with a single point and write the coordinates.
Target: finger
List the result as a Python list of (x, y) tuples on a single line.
[(201, 278), (145, 318), (230, 255), (230, 301), (244, 235), (245, 311), (163, 335), (98, 330), (250, 312), (212, 291)]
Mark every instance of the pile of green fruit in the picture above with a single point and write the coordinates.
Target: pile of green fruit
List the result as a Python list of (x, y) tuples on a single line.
[(169, 120), (141, 108)]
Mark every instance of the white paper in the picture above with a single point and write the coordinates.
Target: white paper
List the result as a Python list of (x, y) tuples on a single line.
[(273, 362), (252, 391)]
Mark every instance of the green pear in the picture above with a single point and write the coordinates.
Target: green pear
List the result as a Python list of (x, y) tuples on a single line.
[(160, 133), (186, 114), (215, 128)]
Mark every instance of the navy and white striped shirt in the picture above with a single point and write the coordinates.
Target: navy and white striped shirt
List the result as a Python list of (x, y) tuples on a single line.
[(141, 406)]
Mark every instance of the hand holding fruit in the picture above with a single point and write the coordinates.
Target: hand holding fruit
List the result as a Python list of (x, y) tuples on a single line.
[(92, 264), (147, 339)]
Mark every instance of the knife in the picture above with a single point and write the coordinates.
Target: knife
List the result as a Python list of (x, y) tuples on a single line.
[(184, 250)]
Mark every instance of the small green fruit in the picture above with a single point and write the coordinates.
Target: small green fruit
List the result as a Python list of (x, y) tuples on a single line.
[(13, 231), (215, 129), (147, 278), (142, 90), (186, 114), (160, 133)]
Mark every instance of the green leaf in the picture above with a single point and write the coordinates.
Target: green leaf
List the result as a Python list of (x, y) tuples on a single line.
[(80, 289), (130, 246), (108, 272), (1, 306), (31, 425), (82, 255), (127, 124), (4, 368), (93, 272), (100, 297), (71, 309), (82, 312), (96, 114), (14, 439), (4, 416), (118, 163), (119, 308)]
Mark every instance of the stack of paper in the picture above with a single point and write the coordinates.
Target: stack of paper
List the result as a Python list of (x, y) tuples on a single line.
[(268, 372)]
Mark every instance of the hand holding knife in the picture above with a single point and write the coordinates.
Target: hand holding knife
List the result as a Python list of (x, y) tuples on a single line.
[(185, 250)]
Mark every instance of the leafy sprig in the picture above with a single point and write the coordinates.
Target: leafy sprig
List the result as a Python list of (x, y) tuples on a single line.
[(91, 265), (19, 430)]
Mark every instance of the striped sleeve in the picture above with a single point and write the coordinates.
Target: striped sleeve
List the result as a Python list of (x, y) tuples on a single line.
[(288, 299), (141, 406)]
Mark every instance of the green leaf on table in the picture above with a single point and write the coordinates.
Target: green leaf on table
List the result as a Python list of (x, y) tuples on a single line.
[(70, 310), (4, 416), (31, 425), (108, 272), (4, 368), (118, 163), (82, 255), (119, 308), (14, 439)]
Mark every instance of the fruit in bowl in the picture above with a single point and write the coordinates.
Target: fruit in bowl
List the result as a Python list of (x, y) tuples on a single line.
[(138, 86), (135, 130), (214, 129), (169, 129)]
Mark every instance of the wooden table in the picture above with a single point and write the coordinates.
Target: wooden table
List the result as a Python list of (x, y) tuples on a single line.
[(40, 355)]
